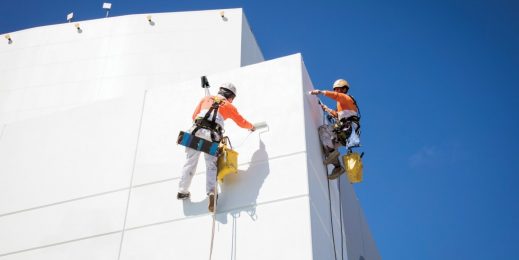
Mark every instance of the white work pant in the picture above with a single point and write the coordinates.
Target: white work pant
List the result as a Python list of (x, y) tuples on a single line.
[(329, 138), (189, 169)]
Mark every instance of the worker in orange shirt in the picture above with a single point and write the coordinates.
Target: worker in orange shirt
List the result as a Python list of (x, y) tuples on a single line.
[(346, 131), (208, 119)]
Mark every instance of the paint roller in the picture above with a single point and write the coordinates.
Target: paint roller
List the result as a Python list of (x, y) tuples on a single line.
[(261, 125)]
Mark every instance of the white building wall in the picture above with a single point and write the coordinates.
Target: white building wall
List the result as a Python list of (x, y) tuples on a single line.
[(54, 67), (98, 181), (251, 52)]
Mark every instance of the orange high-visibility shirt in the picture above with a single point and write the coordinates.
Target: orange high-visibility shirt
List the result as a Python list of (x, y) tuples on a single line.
[(345, 105), (226, 110)]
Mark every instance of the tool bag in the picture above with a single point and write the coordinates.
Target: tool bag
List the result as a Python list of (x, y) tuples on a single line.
[(227, 160), (353, 164)]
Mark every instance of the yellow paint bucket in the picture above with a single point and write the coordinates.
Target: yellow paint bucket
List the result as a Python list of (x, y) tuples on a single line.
[(353, 164), (227, 163)]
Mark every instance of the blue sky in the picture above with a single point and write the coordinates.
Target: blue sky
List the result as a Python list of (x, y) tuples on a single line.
[(438, 86)]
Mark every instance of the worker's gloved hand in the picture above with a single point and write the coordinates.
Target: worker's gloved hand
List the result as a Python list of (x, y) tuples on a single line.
[(315, 92), (252, 129)]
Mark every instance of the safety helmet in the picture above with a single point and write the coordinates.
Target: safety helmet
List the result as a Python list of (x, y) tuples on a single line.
[(340, 83), (229, 86)]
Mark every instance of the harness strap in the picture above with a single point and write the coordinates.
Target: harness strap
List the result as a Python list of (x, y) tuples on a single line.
[(214, 106), (210, 124), (355, 103)]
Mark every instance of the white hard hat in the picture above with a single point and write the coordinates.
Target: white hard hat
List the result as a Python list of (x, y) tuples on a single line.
[(341, 83), (229, 86)]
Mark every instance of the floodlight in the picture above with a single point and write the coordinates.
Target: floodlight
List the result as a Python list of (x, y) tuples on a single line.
[(78, 28), (8, 38), (107, 7), (222, 14), (152, 23), (70, 16)]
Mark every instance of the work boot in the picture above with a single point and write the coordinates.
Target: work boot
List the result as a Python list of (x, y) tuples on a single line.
[(331, 157), (337, 171), (212, 202), (183, 196)]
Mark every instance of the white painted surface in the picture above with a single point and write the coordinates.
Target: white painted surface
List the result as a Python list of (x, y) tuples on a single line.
[(356, 226), (90, 161), (251, 52), (238, 235), (68, 155), (99, 248), (256, 183), (63, 222), (116, 56), (169, 110)]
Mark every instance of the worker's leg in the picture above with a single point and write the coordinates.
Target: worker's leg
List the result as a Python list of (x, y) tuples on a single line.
[(331, 153), (188, 171), (211, 169), (326, 136), (210, 162)]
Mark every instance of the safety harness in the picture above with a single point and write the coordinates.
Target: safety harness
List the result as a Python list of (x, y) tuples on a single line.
[(344, 127), (211, 124)]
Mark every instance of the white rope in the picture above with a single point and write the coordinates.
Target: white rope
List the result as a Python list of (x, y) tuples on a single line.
[(214, 220), (212, 237)]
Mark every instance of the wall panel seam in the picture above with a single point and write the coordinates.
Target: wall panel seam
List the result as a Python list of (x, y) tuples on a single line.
[(133, 171), (153, 224), (133, 186)]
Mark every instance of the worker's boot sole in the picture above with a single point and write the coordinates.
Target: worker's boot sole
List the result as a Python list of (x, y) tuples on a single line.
[(183, 196), (212, 202)]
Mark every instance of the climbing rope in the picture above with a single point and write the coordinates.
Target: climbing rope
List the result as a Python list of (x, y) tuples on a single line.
[(330, 199), (330, 118), (331, 218), (214, 220), (340, 217)]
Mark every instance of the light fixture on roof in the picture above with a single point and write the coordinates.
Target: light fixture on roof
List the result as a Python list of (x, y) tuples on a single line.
[(222, 14), (79, 30), (149, 20), (107, 7), (70, 16), (8, 38)]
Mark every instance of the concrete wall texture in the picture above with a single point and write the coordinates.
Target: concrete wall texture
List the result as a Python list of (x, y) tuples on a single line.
[(89, 165)]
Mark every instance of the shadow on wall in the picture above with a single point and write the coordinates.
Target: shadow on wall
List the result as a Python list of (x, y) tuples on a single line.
[(238, 190)]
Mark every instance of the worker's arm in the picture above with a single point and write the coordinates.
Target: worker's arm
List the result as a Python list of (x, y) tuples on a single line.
[(329, 110), (325, 108), (339, 97), (236, 117)]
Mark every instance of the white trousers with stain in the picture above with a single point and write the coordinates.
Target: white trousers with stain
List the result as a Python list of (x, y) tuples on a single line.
[(189, 169)]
